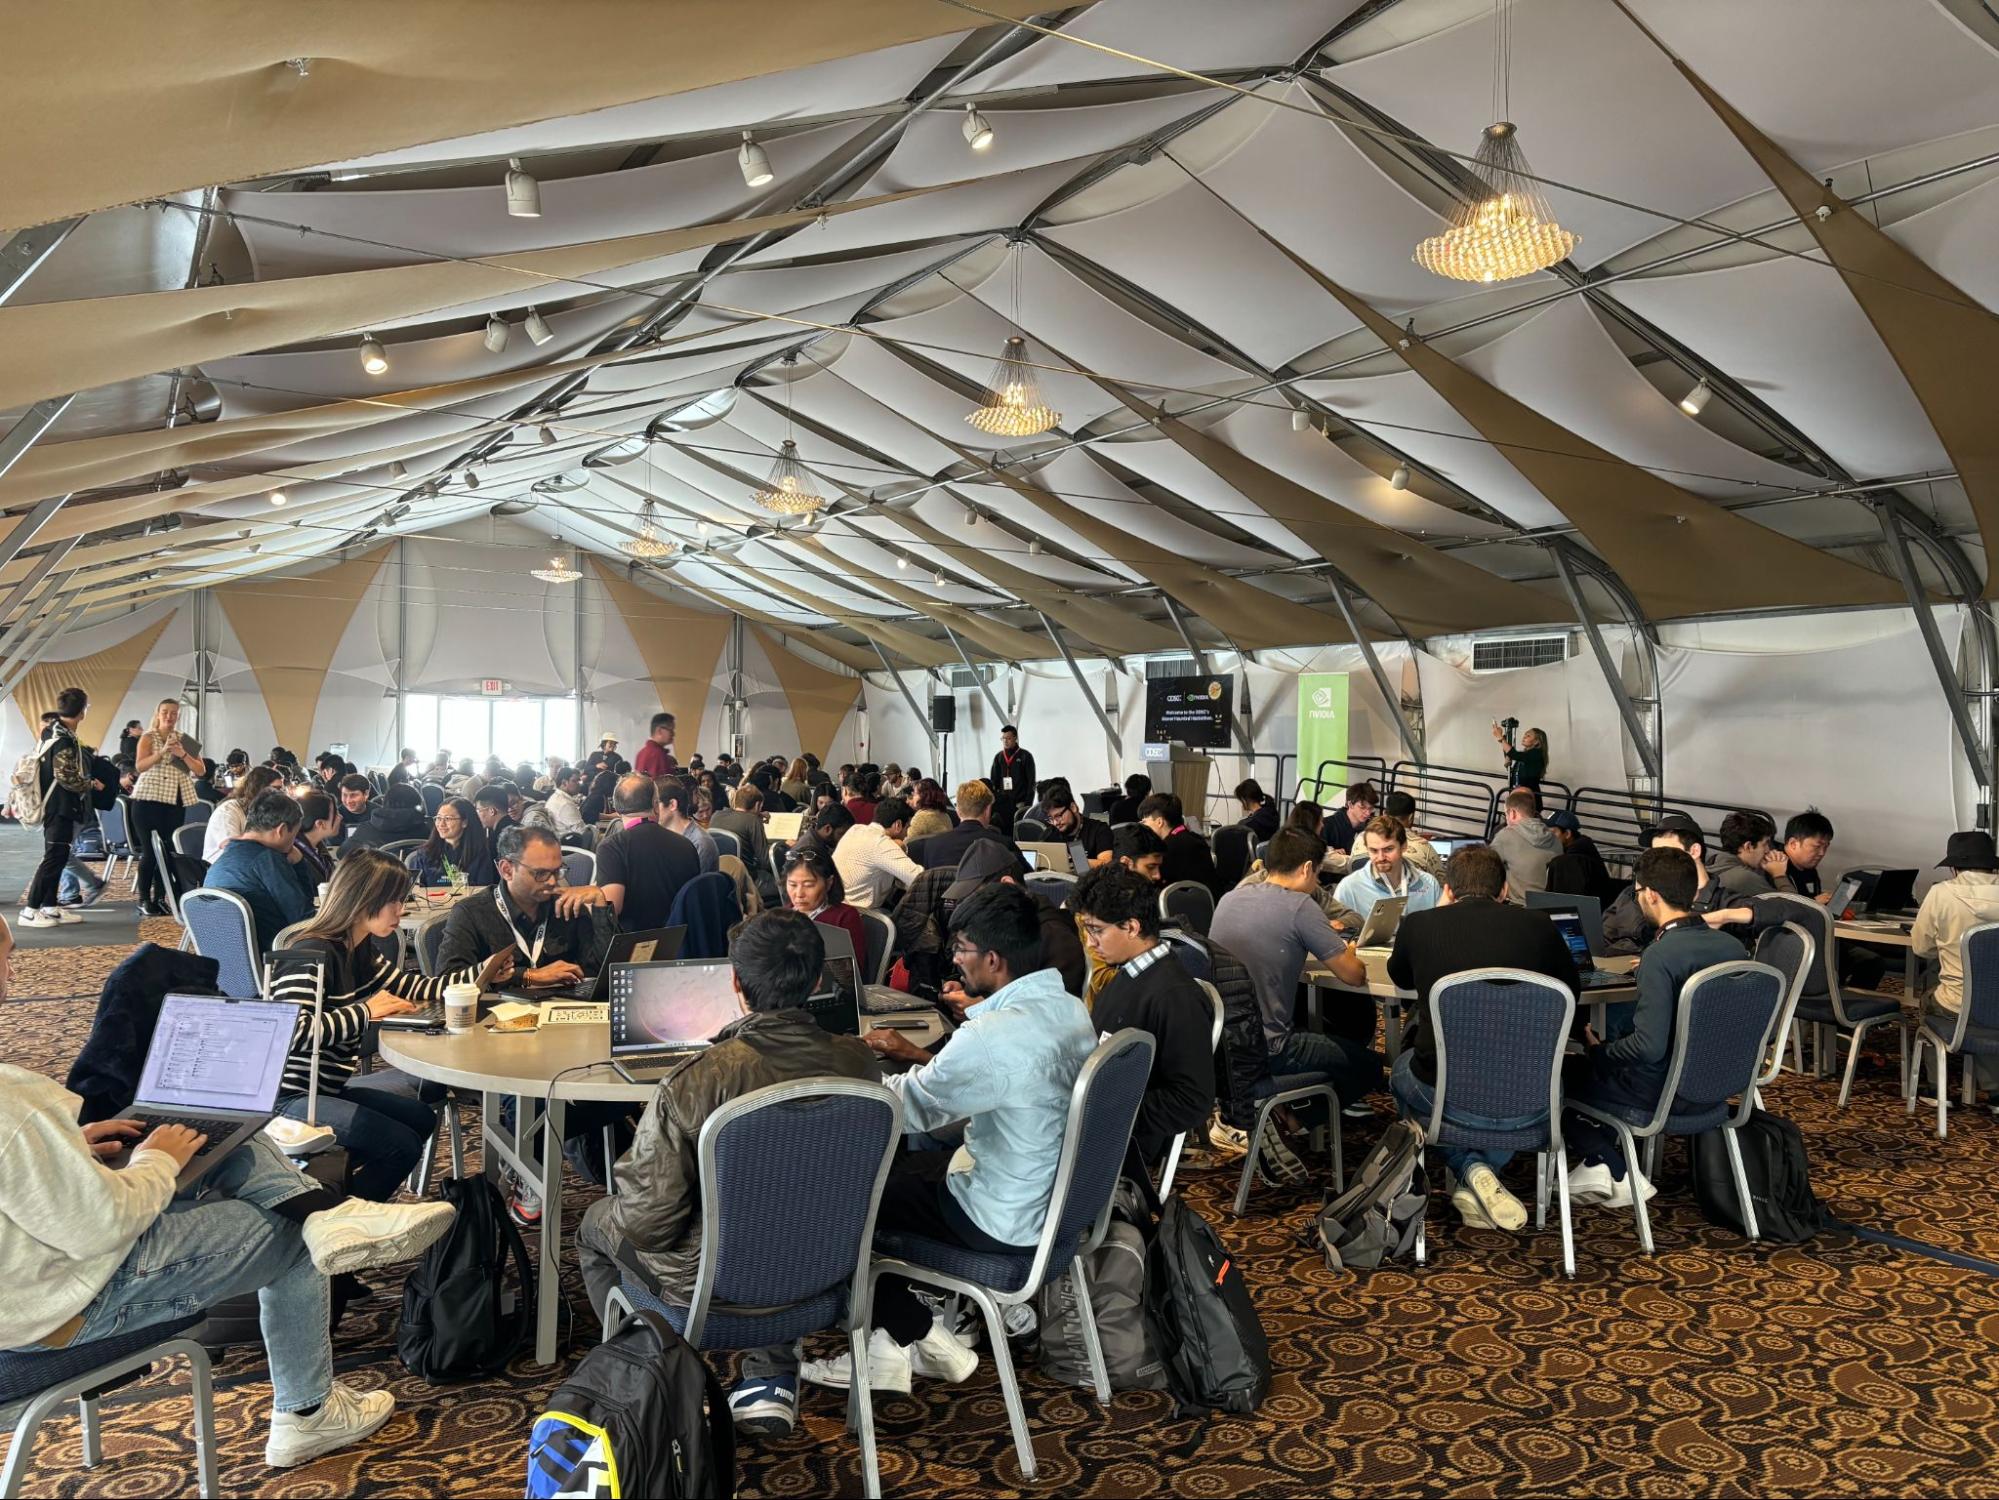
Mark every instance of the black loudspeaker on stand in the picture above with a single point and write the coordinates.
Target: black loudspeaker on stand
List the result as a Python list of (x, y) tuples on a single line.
[(943, 714)]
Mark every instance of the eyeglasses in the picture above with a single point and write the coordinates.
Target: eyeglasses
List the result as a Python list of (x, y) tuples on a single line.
[(962, 950), (543, 876)]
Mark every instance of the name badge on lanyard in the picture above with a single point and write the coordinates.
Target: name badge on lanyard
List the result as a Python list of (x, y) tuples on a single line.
[(540, 933)]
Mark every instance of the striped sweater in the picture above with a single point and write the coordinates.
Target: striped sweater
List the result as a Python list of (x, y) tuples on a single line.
[(353, 978)]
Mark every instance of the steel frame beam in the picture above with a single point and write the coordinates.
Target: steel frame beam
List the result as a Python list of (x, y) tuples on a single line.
[(24, 253), (1083, 684), (27, 431), (902, 687), (1978, 749), (23, 593), (36, 646), (1645, 739), (1390, 693)]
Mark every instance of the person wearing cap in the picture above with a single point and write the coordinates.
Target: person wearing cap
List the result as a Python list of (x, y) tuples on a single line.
[(924, 917), (1626, 929), (605, 756), (1950, 909), (1579, 869)]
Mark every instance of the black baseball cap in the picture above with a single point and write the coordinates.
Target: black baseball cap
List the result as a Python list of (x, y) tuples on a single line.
[(1680, 823)]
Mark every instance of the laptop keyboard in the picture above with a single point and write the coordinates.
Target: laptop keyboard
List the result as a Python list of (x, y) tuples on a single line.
[(216, 1130)]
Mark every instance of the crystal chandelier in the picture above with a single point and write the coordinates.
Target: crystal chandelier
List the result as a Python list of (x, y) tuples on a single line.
[(648, 544), (557, 571), (1507, 230), (789, 489), (1011, 405)]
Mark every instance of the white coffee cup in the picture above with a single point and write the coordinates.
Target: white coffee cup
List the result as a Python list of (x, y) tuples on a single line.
[(320, 899), (461, 1007)]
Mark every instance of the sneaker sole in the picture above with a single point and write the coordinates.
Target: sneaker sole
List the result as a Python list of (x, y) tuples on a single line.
[(333, 1444), (357, 1254), (875, 1387), (772, 1426), (1470, 1210), (1500, 1207)]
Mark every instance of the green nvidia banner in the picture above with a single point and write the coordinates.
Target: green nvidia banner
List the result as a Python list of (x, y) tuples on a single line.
[(1322, 721)]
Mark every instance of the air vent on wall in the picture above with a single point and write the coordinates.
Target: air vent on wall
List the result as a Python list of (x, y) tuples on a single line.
[(1513, 652)]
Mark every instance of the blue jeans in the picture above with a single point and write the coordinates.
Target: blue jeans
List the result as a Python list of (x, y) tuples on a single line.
[(201, 1251), (1418, 1099), (385, 1134), (76, 878), (1353, 1069)]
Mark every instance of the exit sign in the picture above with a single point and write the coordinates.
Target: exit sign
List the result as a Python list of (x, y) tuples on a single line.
[(491, 687)]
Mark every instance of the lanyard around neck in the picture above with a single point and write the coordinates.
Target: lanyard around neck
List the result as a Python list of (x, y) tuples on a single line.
[(540, 933)]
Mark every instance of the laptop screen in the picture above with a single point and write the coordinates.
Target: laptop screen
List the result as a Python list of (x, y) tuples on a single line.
[(211, 1054), (783, 825), (835, 1002), (1570, 926), (656, 1006)]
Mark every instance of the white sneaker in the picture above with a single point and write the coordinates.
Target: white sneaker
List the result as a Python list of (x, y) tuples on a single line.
[(355, 1234), (1621, 1189), (1470, 1210), (1225, 1140), (53, 916), (1275, 1159), (1500, 1208), (939, 1356), (888, 1366), (1591, 1185), (32, 917), (346, 1416)]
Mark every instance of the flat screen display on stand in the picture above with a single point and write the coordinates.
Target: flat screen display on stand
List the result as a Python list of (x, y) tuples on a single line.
[(1193, 710)]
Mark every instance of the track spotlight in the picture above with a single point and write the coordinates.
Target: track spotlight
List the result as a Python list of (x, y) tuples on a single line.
[(1696, 399), (547, 436), (523, 192), (755, 164), (471, 479), (277, 497), (1034, 546), (937, 579), (496, 334), (373, 359), (1399, 480), (1301, 420), (537, 328), (971, 516), (978, 129)]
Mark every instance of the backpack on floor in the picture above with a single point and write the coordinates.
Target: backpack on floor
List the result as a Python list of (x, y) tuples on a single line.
[(1116, 1269), (641, 1415), (1217, 1358), (1379, 1216), (24, 789), (1779, 1173), (460, 1319)]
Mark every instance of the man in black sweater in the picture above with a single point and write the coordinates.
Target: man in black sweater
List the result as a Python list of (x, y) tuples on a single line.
[(1152, 991), (975, 822), (1472, 928), (560, 940), (1188, 856)]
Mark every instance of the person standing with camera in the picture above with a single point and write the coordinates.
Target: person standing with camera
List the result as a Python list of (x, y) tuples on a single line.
[(1527, 763)]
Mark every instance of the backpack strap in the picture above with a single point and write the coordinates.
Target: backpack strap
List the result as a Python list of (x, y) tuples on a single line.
[(512, 1248)]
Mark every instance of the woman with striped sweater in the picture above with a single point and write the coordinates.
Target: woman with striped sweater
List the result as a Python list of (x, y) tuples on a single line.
[(383, 1130)]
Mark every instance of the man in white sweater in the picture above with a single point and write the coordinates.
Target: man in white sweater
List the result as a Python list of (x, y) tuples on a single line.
[(88, 1251)]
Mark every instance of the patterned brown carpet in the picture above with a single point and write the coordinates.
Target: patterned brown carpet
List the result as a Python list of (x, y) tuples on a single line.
[(1712, 1368)]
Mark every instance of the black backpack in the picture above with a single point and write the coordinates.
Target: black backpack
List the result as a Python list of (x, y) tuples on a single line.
[(1779, 1173), (460, 1320), (642, 1414), (1380, 1215), (1244, 1064), (1216, 1356)]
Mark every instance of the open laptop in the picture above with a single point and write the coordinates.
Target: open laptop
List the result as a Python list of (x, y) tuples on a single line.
[(783, 825), (1587, 907), (1447, 847), (661, 1012), (650, 945), (214, 1066), (1049, 857), (1570, 926), (1382, 920), (835, 1001), (1893, 894), (1843, 898)]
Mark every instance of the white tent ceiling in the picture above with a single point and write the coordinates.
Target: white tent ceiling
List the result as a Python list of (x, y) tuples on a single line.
[(1151, 213)]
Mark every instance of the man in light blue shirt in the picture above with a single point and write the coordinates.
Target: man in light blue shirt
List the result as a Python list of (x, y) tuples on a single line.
[(1007, 1073), (1387, 872)]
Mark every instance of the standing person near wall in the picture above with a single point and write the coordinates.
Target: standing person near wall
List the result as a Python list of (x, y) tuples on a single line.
[(1526, 764), (1012, 778), (62, 768), (167, 767)]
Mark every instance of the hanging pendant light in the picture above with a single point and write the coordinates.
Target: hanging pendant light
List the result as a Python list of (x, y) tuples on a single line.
[(648, 544), (789, 490), (1506, 230), (1011, 404), (557, 571)]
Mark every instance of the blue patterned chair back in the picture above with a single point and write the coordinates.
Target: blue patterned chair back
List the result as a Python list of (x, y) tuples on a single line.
[(111, 823), (196, 812), (1500, 1034), (188, 839), (579, 866), (221, 928), (1790, 950), (1980, 954), (430, 942), (1102, 1109), (1720, 1037), (726, 842), (433, 797)]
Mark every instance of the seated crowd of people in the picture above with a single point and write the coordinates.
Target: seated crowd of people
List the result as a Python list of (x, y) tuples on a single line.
[(1030, 972)]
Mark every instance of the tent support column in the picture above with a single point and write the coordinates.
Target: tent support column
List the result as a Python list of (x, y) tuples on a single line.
[(737, 731), (1390, 693), (984, 686), (922, 718), (1978, 749), (199, 621), (20, 593), (1645, 738), (576, 650), (24, 253), (402, 641), (1082, 682), (36, 647)]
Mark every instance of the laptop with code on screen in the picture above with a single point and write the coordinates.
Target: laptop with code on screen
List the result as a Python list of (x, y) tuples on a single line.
[(214, 1066), (660, 1012)]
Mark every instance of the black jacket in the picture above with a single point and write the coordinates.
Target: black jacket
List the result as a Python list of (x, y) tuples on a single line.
[(949, 848), (388, 825), (1164, 1000), (475, 931), (1474, 934), (1263, 823), (1021, 773), (1188, 857), (106, 1072), (1579, 869)]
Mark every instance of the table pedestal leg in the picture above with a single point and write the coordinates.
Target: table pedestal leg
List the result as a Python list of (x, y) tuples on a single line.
[(549, 1300)]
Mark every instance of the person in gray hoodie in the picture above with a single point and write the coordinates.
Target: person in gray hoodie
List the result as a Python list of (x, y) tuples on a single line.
[(1527, 845), (1747, 864)]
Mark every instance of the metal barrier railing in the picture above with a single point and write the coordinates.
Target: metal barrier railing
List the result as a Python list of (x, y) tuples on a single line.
[(1359, 768), (1450, 800), (1617, 818)]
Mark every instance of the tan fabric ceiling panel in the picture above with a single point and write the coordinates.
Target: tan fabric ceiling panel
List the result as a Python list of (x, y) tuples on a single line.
[(1115, 628), (819, 700), (681, 648), (908, 644), (1252, 618), (58, 347), (1428, 592), (218, 103), (1679, 554), (289, 629), (974, 629), (1945, 341), (106, 677), (860, 658)]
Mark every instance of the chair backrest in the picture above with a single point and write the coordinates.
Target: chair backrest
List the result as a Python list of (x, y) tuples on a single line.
[(111, 823), (1721, 1035), (1978, 952), (430, 942), (726, 842), (401, 849), (881, 945), (433, 797), (1791, 952), (579, 866), (1221, 1012), (817, 1152), (1103, 1106), (1507, 1028), (1030, 831), (220, 926), (289, 935), (1262, 851), (778, 850), (1056, 885), (1823, 975), (1188, 904), (1231, 854), (188, 839), (197, 812)]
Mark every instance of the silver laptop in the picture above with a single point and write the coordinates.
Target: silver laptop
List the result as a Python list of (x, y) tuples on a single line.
[(783, 825), (1588, 910), (1842, 898), (662, 1012), (1051, 856), (1382, 920), (214, 1066)]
